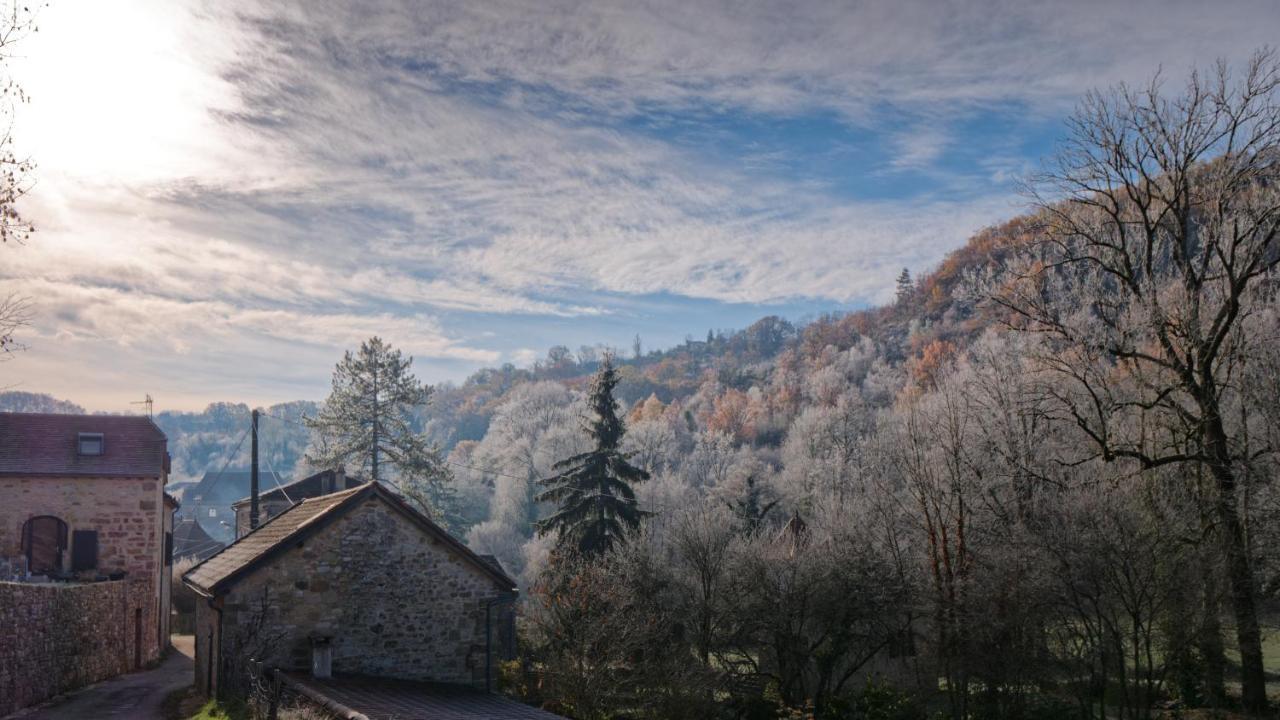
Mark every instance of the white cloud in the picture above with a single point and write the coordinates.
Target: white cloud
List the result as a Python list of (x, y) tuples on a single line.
[(218, 177)]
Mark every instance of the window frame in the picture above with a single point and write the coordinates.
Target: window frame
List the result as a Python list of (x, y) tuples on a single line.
[(98, 437)]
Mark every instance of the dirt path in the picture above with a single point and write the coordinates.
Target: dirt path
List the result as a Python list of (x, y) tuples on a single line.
[(136, 696)]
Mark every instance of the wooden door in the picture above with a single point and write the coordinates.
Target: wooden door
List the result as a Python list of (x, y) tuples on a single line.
[(46, 538)]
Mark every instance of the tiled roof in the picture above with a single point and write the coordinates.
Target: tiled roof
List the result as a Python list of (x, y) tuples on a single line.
[(308, 487), (40, 444), (385, 699), (224, 488), (310, 515), (257, 544)]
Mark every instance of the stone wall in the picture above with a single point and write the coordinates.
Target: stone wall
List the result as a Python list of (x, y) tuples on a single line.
[(397, 602), (127, 515), (56, 637)]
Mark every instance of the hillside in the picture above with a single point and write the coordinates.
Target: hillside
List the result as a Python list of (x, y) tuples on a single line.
[(718, 382)]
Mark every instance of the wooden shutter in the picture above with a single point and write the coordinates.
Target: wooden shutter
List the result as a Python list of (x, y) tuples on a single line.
[(84, 550)]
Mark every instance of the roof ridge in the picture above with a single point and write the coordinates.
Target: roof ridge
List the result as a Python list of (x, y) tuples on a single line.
[(239, 558)]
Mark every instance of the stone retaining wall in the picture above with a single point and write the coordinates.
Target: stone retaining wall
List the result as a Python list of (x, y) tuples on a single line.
[(58, 637)]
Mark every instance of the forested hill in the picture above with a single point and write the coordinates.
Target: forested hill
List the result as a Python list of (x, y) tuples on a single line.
[(748, 383)]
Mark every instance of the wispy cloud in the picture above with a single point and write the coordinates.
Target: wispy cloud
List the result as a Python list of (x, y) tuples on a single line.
[(246, 176)]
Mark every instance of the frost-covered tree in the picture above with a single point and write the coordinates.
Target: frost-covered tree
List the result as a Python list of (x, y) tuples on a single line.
[(596, 504), (1161, 220), (366, 425), (529, 432)]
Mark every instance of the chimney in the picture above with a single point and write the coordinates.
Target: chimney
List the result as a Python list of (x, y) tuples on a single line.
[(339, 479)]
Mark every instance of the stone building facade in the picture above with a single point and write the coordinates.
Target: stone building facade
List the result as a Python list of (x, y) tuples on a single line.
[(84, 501), (273, 501), (386, 590)]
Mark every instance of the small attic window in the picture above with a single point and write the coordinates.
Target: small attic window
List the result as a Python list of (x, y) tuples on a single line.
[(91, 444)]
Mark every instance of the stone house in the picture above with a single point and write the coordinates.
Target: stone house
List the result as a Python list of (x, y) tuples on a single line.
[(357, 582), (275, 501), (84, 501), (210, 500), (190, 540)]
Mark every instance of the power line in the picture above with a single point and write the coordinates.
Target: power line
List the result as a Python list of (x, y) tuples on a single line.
[(218, 478), (276, 476), (282, 419)]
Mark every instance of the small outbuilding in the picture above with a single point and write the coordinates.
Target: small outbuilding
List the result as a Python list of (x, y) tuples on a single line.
[(357, 583), (275, 501)]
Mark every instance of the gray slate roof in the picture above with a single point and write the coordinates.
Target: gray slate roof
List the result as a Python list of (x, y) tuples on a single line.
[(311, 486), (385, 699), (312, 515), (226, 487)]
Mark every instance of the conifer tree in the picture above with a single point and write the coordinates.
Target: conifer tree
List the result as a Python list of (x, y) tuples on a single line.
[(366, 425), (905, 287), (750, 507), (596, 505)]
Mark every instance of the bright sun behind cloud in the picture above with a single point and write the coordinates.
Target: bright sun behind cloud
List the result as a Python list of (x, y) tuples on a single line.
[(123, 92)]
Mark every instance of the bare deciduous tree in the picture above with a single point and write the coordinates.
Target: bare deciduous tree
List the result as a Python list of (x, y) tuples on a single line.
[(1160, 215)]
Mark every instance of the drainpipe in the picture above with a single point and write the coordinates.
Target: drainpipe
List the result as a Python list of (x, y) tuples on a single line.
[(489, 604)]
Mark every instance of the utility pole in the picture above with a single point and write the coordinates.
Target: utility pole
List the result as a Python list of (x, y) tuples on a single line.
[(253, 477), (375, 420)]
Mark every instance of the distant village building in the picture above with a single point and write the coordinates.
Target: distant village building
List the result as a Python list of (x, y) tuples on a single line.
[(282, 498), (209, 502), (83, 505), (191, 541), (355, 582)]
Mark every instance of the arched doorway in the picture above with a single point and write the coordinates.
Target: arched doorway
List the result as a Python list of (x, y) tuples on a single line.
[(44, 538)]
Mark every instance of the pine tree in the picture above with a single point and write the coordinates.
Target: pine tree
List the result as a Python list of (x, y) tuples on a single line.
[(596, 505), (906, 288), (749, 508), (366, 425)]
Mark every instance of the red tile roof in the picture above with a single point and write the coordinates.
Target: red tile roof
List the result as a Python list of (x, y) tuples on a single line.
[(40, 444)]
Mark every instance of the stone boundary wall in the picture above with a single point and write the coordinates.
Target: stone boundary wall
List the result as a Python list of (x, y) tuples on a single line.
[(57, 637)]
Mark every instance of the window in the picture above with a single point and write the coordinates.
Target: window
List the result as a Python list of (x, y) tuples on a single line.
[(91, 444), (84, 550), (213, 512), (43, 540), (168, 548)]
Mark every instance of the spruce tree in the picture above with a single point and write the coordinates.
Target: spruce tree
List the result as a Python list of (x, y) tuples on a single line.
[(366, 425), (906, 288), (596, 505), (750, 507)]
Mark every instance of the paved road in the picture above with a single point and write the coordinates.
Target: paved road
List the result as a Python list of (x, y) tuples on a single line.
[(136, 696)]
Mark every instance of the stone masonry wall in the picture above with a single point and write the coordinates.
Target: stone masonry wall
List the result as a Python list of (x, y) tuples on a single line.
[(127, 514), (57, 637), (396, 602)]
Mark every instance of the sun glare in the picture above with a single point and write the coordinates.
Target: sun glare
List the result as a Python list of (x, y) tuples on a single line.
[(121, 92)]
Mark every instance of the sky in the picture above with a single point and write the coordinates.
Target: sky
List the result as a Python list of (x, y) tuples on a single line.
[(230, 194)]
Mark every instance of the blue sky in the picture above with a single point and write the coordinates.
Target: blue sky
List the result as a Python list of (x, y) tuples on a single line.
[(229, 194)]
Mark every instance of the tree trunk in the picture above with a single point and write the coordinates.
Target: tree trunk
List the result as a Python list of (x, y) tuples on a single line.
[(1210, 645), (1253, 679)]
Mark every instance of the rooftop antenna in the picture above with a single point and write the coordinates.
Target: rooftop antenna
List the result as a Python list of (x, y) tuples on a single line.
[(148, 403)]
